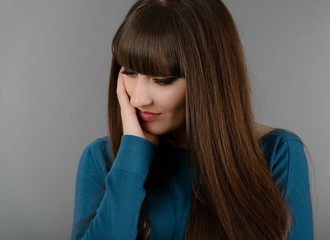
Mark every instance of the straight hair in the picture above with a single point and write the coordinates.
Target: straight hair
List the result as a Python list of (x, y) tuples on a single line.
[(234, 194)]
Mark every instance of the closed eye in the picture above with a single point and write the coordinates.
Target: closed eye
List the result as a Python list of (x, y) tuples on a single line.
[(164, 81), (160, 81)]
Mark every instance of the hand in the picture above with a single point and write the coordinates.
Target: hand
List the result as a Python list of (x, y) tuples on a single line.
[(131, 124)]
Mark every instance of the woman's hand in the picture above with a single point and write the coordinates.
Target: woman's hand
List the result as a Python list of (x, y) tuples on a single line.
[(131, 124)]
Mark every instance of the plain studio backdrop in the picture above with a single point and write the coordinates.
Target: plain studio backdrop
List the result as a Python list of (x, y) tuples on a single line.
[(54, 67)]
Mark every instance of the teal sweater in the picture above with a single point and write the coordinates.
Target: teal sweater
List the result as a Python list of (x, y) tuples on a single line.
[(114, 191)]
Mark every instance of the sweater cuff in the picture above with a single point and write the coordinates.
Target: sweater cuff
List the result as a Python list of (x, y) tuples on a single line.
[(135, 155)]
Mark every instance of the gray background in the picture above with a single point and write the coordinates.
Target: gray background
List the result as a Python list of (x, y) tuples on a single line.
[(54, 66)]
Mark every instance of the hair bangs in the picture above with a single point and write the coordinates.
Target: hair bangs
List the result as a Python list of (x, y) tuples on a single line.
[(146, 43)]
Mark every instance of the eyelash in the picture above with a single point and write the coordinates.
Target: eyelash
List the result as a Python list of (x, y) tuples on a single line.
[(159, 81)]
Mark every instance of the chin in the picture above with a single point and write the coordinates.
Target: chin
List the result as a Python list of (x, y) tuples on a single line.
[(155, 129), (157, 132)]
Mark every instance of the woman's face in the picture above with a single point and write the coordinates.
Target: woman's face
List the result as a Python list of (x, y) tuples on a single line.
[(163, 96)]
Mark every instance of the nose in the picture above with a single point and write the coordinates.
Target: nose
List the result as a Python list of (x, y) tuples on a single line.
[(141, 96)]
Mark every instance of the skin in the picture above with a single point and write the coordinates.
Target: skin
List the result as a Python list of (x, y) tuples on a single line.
[(141, 92), (261, 130)]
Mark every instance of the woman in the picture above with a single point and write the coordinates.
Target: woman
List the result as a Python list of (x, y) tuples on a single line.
[(184, 158)]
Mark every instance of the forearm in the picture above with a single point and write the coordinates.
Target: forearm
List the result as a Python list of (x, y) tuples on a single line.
[(118, 212)]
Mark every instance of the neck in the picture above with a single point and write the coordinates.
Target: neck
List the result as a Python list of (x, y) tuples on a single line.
[(177, 138)]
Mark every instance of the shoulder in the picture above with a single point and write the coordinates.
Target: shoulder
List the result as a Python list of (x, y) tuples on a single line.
[(275, 140), (96, 157), (280, 143), (277, 135), (285, 155), (278, 139), (99, 146)]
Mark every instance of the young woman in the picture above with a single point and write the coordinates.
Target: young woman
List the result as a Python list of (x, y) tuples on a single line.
[(184, 158)]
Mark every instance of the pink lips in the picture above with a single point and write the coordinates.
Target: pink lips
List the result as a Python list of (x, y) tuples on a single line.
[(147, 116)]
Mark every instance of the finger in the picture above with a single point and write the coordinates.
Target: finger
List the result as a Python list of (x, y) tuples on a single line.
[(128, 113), (123, 98), (121, 90)]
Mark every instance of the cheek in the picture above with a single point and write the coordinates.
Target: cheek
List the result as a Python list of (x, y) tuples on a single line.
[(173, 100)]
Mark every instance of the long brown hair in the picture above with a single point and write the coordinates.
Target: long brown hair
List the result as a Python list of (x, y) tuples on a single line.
[(234, 195)]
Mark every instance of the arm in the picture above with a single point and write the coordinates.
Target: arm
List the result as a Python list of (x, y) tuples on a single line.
[(118, 207), (290, 171)]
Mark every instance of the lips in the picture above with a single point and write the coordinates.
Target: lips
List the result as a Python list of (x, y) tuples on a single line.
[(147, 116)]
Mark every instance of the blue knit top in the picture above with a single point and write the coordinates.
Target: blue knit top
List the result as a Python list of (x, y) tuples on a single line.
[(111, 193)]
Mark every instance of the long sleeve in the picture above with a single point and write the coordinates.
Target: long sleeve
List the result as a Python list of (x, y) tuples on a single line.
[(117, 204), (290, 172)]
